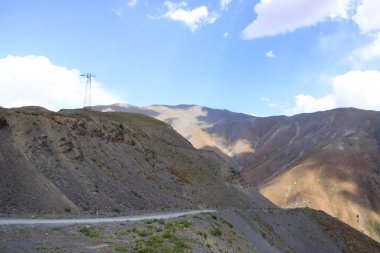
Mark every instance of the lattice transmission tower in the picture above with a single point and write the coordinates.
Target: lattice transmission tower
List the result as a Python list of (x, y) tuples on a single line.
[(87, 93)]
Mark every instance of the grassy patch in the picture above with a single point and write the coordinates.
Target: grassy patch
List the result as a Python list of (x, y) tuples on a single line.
[(122, 248), (158, 235), (146, 232), (123, 233), (166, 244), (89, 232)]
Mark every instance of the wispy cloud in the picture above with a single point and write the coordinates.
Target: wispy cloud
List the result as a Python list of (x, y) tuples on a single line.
[(367, 53), (34, 80), (119, 11), (224, 4), (132, 3), (226, 34), (269, 102), (193, 18), (270, 54)]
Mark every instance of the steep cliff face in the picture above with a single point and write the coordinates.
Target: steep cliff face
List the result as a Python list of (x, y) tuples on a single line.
[(325, 160), (79, 160)]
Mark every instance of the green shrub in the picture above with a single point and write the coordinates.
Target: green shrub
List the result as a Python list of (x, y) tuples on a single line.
[(209, 243), (202, 234), (216, 232)]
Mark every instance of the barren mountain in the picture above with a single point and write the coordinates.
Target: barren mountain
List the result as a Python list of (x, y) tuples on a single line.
[(326, 160), (79, 160)]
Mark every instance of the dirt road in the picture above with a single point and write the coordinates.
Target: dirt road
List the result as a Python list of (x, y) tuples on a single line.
[(100, 220)]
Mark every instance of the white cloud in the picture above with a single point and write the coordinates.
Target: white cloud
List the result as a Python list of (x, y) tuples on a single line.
[(368, 21), (282, 16), (34, 80), (307, 103), (270, 54), (224, 4), (120, 10), (360, 89), (367, 16), (193, 18), (226, 34), (265, 99), (368, 52)]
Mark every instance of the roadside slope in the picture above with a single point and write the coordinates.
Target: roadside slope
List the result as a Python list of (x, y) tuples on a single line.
[(265, 230)]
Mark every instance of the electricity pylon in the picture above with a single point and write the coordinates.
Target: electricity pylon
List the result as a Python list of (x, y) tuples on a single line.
[(87, 94)]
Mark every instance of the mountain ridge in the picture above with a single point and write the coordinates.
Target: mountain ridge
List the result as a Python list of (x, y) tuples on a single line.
[(87, 163), (334, 152)]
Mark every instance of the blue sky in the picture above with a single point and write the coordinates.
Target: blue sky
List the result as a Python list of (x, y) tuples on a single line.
[(265, 57)]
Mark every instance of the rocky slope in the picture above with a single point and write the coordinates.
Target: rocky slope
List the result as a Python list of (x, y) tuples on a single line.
[(76, 160), (267, 230), (79, 162), (327, 160)]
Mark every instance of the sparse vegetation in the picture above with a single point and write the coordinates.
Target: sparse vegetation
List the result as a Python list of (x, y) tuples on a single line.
[(216, 232), (122, 248), (209, 243), (227, 223), (202, 234), (89, 232), (159, 236)]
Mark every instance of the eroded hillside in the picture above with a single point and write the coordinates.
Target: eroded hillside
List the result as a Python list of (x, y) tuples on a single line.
[(327, 160), (77, 160)]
